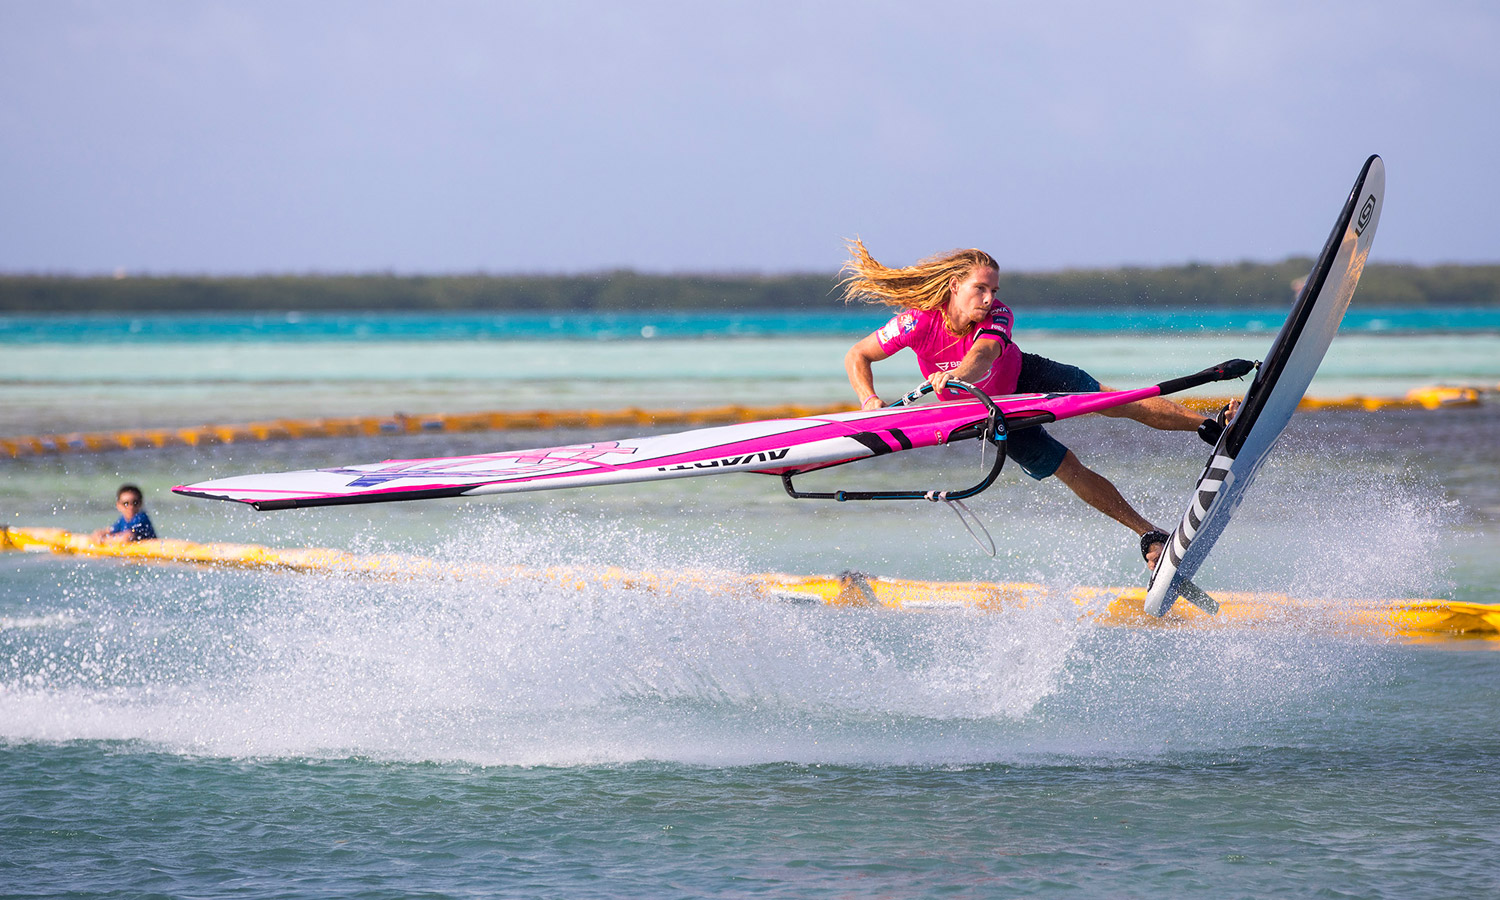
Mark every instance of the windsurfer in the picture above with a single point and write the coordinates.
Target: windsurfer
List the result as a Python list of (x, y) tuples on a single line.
[(951, 316)]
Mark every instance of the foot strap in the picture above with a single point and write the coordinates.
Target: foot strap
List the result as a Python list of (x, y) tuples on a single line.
[(1212, 429), (1153, 537)]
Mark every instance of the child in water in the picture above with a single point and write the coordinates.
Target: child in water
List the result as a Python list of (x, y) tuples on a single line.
[(133, 524)]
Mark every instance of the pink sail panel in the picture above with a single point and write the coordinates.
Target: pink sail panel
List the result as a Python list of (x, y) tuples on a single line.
[(771, 446)]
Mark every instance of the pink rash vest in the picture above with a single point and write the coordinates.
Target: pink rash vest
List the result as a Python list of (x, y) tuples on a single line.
[(939, 351)]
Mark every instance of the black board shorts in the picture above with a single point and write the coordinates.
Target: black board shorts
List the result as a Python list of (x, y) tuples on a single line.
[(1033, 449)]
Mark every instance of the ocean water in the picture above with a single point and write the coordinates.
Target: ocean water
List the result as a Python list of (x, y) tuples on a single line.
[(175, 731)]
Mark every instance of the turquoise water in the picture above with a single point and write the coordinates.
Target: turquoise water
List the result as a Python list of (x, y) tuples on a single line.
[(75, 385), (173, 731), (363, 326)]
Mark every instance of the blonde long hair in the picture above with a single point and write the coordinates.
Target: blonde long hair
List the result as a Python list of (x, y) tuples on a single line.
[(924, 285)]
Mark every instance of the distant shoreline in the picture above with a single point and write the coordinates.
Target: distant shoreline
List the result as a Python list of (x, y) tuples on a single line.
[(1201, 286)]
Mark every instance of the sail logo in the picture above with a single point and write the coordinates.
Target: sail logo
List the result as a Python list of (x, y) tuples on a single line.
[(763, 457), (520, 464), (1366, 212)]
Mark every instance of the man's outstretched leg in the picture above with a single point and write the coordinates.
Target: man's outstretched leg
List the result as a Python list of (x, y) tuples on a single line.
[(1167, 415), (1100, 493)]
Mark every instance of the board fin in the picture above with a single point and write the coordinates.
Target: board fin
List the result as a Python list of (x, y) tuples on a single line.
[(1197, 596)]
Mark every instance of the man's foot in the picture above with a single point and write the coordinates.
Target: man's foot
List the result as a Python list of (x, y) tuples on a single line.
[(1153, 544), (1211, 429)]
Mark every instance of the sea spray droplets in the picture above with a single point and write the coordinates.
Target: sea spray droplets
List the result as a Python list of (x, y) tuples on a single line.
[(534, 669), (529, 669)]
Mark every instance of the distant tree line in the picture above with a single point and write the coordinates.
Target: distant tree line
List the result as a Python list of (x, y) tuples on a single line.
[(1194, 285)]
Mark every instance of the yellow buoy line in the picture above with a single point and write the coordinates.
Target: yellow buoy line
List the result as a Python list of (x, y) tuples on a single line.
[(400, 423), (1409, 619)]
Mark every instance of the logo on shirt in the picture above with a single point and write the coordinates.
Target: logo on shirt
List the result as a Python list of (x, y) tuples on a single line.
[(902, 324)]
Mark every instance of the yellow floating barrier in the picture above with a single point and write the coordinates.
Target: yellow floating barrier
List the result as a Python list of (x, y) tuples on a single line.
[(1438, 396), (368, 426), (1435, 397), (1413, 620)]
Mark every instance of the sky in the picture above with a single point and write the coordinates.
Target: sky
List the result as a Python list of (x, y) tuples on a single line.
[(566, 136)]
